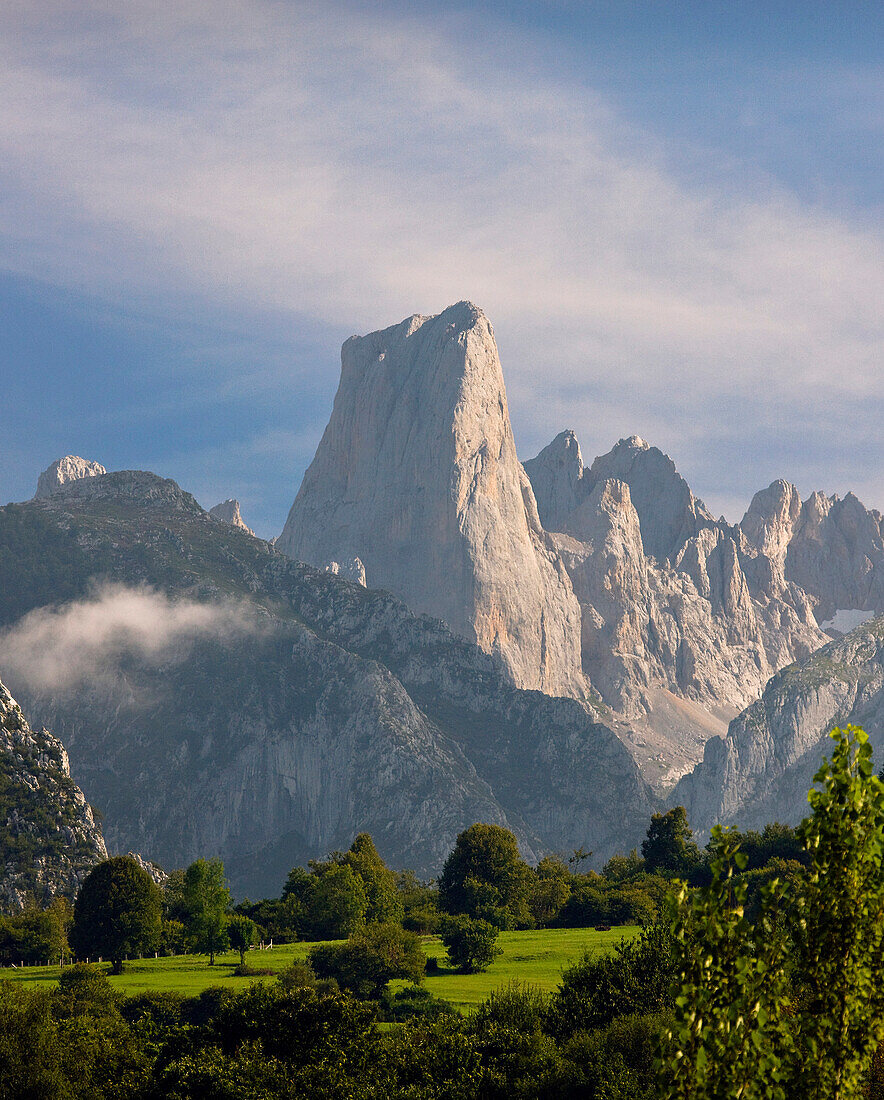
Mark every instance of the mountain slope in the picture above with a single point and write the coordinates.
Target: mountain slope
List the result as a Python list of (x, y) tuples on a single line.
[(764, 768), (48, 837), (219, 698)]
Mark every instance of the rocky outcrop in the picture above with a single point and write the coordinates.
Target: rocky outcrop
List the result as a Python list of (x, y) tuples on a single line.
[(764, 768), (352, 570), (558, 480), (49, 838), (417, 476), (337, 711), (64, 470), (668, 512), (837, 555), (228, 512), (684, 619)]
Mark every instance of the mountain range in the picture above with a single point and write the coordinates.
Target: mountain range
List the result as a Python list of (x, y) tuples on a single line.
[(440, 634)]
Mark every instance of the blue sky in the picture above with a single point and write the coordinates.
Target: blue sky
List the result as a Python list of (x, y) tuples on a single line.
[(670, 212)]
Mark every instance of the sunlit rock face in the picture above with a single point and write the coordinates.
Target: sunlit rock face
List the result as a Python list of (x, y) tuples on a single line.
[(228, 512), (610, 580), (417, 476), (765, 766), (49, 838), (64, 470)]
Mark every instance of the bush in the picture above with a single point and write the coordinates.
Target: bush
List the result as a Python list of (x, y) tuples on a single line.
[(414, 1003), (636, 979), (369, 959), (244, 970), (472, 944)]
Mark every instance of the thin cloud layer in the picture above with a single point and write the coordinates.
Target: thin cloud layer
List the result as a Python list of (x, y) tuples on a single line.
[(357, 168), (83, 643)]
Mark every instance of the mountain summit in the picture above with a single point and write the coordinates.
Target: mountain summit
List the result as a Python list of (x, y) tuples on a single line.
[(417, 476)]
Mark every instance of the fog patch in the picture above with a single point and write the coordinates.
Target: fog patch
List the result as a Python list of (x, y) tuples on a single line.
[(58, 649)]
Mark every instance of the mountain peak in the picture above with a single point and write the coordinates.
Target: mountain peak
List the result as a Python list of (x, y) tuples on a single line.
[(417, 476), (228, 512), (64, 470)]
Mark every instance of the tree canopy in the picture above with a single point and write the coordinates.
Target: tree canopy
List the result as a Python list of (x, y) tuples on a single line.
[(485, 877), (117, 912)]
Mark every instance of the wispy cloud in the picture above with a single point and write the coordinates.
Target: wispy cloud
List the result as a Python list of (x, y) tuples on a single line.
[(358, 168), (84, 643)]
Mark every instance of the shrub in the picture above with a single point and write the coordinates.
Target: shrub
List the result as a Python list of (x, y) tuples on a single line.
[(471, 944), (369, 959)]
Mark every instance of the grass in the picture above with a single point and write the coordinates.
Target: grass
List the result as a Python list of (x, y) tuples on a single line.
[(536, 957)]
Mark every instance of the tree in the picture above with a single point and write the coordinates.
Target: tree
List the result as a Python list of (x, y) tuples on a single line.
[(336, 902), (370, 958), (241, 931), (471, 944), (206, 901), (550, 889), (735, 1034), (117, 912), (839, 923), (669, 844), (730, 1037), (379, 883), (485, 877)]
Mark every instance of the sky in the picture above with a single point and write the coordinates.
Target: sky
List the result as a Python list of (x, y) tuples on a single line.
[(671, 213)]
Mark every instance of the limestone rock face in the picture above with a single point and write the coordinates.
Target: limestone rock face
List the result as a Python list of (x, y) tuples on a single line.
[(63, 470), (837, 555), (771, 519), (49, 839), (764, 768), (668, 511), (228, 512), (557, 479), (352, 570), (684, 619), (417, 476)]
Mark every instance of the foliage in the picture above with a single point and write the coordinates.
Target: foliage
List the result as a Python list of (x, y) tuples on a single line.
[(549, 891), (206, 900), (730, 1036), (412, 1003), (485, 877), (669, 844), (37, 936), (471, 944), (420, 903), (370, 958), (241, 931), (336, 901), (117, 912), (383, 903), (839, 925), (740, 1030), (635, 980)]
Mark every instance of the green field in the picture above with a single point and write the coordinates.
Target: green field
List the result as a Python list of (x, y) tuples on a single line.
[(537, 957)]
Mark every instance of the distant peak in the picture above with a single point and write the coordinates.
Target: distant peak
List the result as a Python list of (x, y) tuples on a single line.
[(64, 470), (635, 442), (228, 512)]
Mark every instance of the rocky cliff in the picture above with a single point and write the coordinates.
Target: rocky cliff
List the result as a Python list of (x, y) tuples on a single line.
[(49, 838), (217, 697), (611, 579), (228, 512), (417, 476), (64, 470), (764, 768)]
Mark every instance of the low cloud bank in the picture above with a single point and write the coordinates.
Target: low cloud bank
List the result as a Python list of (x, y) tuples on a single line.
[(59, 649)]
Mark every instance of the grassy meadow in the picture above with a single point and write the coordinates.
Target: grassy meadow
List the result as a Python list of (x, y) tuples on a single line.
[(537, 957)]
